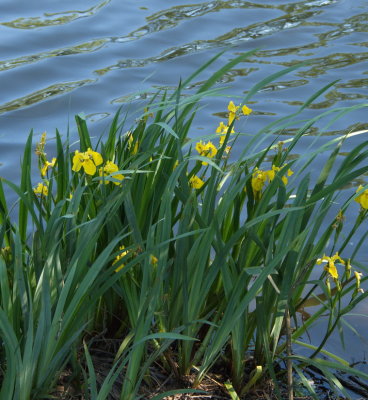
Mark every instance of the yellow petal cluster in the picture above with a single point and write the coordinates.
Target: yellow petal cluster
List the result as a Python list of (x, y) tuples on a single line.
[(330, 266), (271, 173), (87, 160), (233, 110), (358, 277), (222, 129), (196, 182), (259, 178), (246, 110), (153, 260), (133, 149), (41, 190), (206, 149), (122, 254), (362, 199), (109, 169), (48, 165)]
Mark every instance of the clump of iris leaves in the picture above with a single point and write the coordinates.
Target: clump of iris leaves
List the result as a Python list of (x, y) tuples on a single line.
[(182, 275)]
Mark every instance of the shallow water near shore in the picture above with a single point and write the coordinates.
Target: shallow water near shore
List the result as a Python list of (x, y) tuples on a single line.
[(63, 58)]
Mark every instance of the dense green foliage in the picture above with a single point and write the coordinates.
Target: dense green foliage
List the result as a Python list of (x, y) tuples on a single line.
[(183, 254)]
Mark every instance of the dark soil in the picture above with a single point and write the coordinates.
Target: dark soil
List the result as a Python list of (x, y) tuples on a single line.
[(69, 387)]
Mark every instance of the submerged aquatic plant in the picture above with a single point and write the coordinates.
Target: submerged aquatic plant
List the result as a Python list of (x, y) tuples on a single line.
[(188, 259)]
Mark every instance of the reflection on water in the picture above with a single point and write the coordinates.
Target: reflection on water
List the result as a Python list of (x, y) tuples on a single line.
[(332, 97), (284, 85), (50, 19), (43, 94), (109, 46), (313, 131), (90, 46), (333, 61)]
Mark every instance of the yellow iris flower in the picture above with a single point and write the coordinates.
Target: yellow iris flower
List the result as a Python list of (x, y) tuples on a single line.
[(233, 110), (87, 160), (330, 267), (206, 150), (222, 130), (358, 277), (196, 182), (133, 150), (109, 169), (153, 260), (48, 165), (246, 110), (259, 178), (41, 190), (362, 199), (271, 174), (122, 254)]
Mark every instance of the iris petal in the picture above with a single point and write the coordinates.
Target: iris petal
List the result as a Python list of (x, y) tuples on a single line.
[(89, 167), (77, 161), (97, 158)]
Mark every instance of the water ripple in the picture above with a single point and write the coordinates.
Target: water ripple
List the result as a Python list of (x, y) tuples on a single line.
[(332, 61), (295, 15), (87, 47), (233, 37), (357, 23), (43, 94), (169, 18), (332, 97), (52, 19)]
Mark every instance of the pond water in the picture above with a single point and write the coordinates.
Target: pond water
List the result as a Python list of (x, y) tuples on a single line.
[(63, 58)]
